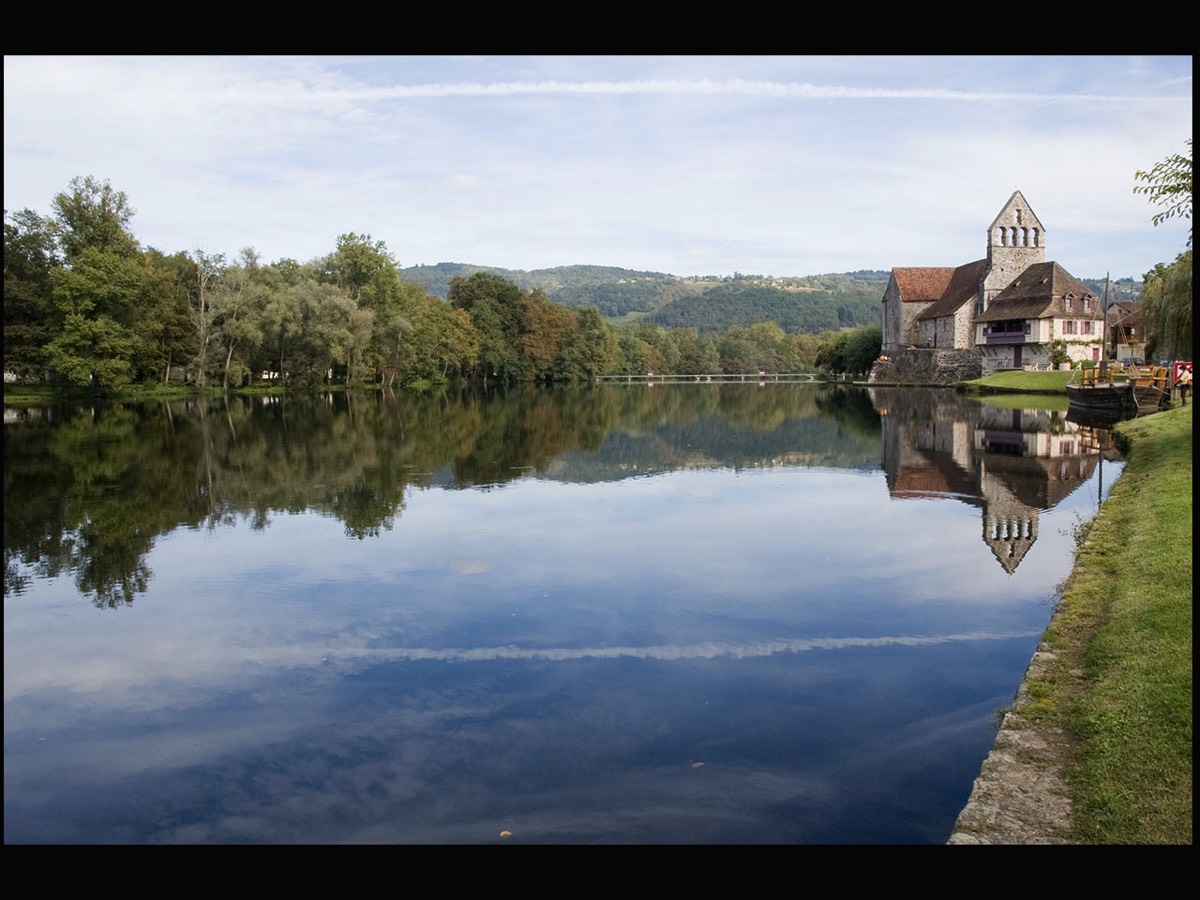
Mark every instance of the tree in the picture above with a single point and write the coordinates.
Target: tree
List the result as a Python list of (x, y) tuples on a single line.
[(162, 328), (543, 329), (1167, 306), (862, 348), (96, 290), (324, 315), (1167, 290), (697, 353), (237, 305), (91, 214), (1169, 184), (30, 260), (371, 275), (852, 351), (281, 324), (95, 345), (208, 269), (496, 308), (358, 263), (589, 347)]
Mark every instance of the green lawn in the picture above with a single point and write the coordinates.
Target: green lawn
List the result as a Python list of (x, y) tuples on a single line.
[(1123, 630), (1024, 382)]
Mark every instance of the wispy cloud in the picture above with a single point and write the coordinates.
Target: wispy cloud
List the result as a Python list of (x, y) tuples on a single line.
[(687, 165), (710, 88)]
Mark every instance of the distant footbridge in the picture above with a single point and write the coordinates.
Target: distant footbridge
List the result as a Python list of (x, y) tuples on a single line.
[(720, 378)]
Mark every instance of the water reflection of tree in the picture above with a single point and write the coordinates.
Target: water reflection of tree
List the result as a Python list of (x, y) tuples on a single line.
[(851, 407), (90, 492), (89, 496)]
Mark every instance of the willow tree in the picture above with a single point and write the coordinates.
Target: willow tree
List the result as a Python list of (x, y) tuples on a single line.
[(1167, 307), (1167, 289)]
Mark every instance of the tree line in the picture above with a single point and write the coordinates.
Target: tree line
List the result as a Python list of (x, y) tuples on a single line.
[(1169, 303), (85, 305)]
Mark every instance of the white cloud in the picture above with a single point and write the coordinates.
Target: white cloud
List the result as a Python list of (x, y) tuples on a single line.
[(780, 165)]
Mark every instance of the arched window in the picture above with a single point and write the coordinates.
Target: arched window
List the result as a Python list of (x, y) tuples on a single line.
[(1036, 238), (1024, 237)]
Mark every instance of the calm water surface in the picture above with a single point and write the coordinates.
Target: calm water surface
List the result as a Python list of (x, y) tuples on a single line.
[(668, 614)]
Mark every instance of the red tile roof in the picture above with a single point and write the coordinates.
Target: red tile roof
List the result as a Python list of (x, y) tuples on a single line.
[(963, 288), (1038, 292), (922, 285)]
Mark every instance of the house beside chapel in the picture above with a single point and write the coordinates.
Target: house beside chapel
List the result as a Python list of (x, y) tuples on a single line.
[(1009, 310)]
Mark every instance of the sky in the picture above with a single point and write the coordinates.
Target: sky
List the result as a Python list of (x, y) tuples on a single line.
[(686, 165)]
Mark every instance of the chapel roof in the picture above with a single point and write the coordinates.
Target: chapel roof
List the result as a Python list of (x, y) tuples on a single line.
[(1038, 293), (963, 288), (922, 284)]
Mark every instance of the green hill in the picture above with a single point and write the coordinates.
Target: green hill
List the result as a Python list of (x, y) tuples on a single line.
[(800, 305), (709, 304)]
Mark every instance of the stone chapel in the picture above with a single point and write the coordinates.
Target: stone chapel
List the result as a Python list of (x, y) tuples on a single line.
[(1002, 311)]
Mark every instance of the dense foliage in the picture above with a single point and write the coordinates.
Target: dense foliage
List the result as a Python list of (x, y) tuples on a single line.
[(711, 304), (1168, 288), (86, 306), (1167, 305), (810, 311), (1168, 183)]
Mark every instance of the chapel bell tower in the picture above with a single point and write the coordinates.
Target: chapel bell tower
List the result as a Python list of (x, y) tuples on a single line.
[(1016, 240)]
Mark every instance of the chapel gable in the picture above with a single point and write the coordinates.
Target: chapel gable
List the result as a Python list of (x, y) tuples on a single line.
[(1016, 240)]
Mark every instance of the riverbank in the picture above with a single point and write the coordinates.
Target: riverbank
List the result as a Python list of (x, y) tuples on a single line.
[(1097, 746)]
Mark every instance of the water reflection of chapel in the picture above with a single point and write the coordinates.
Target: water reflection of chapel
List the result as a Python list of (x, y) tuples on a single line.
[(1011, 463)]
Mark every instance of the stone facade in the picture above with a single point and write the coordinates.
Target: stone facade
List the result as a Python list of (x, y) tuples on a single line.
[(936, 306), (918, 365), (1043, 306), (1003, 311), (910, 292), (1016, 241)]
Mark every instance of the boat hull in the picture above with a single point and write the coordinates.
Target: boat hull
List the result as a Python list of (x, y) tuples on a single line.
[(1115, 398)]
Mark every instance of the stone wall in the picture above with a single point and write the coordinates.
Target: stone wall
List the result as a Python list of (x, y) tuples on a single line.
[(927, 366)]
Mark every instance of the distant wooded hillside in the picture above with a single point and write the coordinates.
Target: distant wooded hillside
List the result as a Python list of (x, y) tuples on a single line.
[(1124, 289), (709, 304)]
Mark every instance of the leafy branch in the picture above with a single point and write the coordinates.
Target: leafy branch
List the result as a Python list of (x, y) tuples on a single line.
[(1169, 184)]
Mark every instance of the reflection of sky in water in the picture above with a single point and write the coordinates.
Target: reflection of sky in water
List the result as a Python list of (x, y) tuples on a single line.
[(552, 659)]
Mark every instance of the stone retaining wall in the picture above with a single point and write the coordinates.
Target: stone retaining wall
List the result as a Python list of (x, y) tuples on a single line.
[(927, 366)]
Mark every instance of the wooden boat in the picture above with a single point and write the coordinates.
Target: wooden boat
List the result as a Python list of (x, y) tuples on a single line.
[(1114, 391), (1098, 391), (1151, 386)]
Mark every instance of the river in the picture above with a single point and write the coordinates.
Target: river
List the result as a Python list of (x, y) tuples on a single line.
[(634, 614)]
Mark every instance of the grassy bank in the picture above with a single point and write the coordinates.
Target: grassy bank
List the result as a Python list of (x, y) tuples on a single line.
[(1123, 631), (1019, 382)]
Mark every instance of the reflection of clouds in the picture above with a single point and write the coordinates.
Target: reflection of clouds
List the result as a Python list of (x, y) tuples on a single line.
[(136, 681), (469, 566), (709, 650)]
